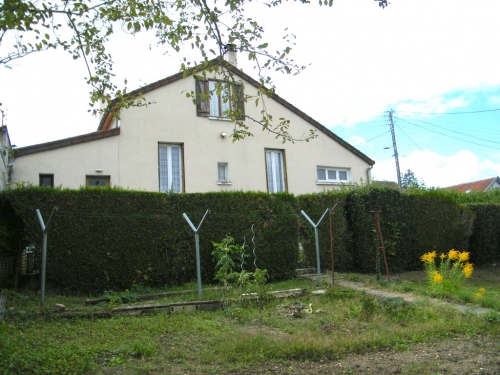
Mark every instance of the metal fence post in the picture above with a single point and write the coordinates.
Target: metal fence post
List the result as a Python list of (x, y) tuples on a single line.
[(45, 229), (316, 235), (197, 240)]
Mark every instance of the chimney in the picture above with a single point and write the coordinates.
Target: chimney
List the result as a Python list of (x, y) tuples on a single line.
[(231, 55)]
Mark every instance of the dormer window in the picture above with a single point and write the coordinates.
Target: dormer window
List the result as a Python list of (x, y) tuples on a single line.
[(215, 99)]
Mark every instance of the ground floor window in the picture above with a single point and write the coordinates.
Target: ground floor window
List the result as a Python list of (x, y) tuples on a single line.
[(98, 181), (328, 174), (46, 179), (275, 168), (170, 166)]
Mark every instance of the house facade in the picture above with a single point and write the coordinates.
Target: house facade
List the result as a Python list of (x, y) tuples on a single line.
[(175, 145), (5, 156)]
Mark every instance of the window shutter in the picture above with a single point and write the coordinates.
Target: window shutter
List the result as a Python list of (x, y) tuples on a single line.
[(239, 105), (202, 98)]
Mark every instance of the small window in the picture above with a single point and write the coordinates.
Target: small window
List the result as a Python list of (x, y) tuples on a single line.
[(223, 173), (47, 180), (98, 181), (332, 175)]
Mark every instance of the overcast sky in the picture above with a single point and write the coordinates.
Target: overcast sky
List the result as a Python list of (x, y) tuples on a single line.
[(436, 63)]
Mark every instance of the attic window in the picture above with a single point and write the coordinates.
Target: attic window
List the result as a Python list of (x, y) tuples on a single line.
[(215, 99)]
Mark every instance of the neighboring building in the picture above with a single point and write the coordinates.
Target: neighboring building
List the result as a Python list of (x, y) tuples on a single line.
[(176, 145), (482, 185)]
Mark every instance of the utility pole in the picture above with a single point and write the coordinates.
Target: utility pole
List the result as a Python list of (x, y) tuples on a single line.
[(391, 124)]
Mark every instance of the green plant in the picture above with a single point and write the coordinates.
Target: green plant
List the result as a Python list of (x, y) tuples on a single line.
[(450, 273), (226, 255), (492, 317), (126, 296)]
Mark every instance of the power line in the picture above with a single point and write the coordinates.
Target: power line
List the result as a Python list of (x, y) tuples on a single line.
[(447, 135), (453, 131), (449, 113), (369, 140)]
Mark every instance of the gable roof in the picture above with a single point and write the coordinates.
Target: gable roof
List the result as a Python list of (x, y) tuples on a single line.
[(108, 116), (481, 185)]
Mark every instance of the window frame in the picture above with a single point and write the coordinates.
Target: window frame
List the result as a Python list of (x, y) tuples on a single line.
[(337, 171), (225, 181), (205, 95), (41, 176), (89, 177), (169, 167), (272, 186)]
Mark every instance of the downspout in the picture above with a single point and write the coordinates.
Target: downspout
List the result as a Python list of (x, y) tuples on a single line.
[(369, 175)]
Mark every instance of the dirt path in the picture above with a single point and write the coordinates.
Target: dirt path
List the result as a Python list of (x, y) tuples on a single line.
[(407, 297)]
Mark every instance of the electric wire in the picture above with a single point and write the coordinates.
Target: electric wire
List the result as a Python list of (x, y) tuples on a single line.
[(450, 136), (453, 131), (451, 113)]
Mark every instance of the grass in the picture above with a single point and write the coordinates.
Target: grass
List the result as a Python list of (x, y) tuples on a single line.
[(36, 341), (416, 282)]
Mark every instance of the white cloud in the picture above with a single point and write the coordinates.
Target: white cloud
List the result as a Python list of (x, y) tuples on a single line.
[(355, 140), (437, 104), (437, 170)]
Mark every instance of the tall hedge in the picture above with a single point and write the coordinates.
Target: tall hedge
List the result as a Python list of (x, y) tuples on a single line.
[(484, 242), (103, 239), (411, 224), (332, 231)]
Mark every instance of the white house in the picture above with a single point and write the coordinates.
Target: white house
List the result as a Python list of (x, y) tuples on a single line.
[(173, 144)]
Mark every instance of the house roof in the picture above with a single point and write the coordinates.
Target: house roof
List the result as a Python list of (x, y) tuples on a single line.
[(106, 119), (21, 151), (481, 185)]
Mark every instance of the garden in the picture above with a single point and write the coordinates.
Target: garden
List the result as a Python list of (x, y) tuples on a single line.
[(121, 296)]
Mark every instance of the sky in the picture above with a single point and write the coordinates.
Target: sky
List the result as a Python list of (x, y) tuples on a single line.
[(435, 64)]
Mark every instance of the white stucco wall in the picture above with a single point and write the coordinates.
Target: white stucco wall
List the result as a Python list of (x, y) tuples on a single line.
[(131, 158)]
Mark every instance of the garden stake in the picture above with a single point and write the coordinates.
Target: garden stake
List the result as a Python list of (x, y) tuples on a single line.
[(381, 242), (197, 240), (331, 241), (45, 229)]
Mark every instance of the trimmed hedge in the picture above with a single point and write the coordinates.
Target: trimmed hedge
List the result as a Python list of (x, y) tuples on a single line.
[(104, 239), (411, 224), (109, 239)]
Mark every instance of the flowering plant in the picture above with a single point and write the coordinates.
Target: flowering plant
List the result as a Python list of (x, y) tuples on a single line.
[(450, 272)]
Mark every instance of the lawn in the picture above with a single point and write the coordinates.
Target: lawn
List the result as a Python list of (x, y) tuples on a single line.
[(339, 332)]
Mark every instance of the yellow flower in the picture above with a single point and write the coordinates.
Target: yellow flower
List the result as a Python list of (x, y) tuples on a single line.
[(467, 269), (464, 256), (478, 295), (453, 254), (442, 256), (428, 257), (482, 290), (437, 277)]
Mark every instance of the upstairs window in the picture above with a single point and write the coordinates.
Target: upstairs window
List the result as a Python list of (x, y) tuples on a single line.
[(333, 175), (214, 99)]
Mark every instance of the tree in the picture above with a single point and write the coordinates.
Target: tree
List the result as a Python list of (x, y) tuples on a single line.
[(410, 181), (83, 28)]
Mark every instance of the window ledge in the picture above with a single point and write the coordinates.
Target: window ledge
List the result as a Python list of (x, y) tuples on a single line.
[(333, 182), (219, 118), (224, 183)]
